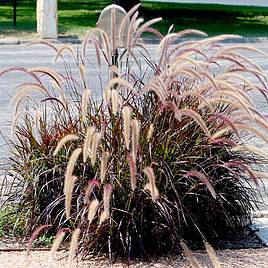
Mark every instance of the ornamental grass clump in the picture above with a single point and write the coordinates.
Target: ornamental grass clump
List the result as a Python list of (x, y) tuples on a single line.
[(159, 154)]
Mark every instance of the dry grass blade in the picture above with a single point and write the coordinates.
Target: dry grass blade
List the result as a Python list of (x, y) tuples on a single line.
[(73, 247)]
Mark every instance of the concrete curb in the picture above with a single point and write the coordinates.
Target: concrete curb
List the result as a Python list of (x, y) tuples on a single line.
[(9, 41)]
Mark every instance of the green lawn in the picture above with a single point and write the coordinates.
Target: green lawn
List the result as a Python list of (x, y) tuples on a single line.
[(78, 15)]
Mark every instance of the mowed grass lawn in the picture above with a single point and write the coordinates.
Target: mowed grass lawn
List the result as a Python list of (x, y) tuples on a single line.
[(78, 15)]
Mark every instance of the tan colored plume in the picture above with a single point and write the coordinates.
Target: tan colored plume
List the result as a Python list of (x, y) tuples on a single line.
[(87, 143), (63, 141), (104, 163), (85, 101), (92, 209), (151, 186), (126, 111), (135, 138), (73, 247)]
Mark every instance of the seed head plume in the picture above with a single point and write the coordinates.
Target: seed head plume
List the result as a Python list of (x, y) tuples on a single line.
[(115, 101), (82, 73), (34, 236), (151, 186), (204, 179), (85, 101), (69, 185), (57, 241), (95, 143), (73, 247), (70, 166), (212, 255), (126, 111), (63, 141), (132, 168), (107, 192), (90, 187), (189, 255), (135, 138), (107, 95), (92, 209), (104, 162), (150, 132), (87, 143)]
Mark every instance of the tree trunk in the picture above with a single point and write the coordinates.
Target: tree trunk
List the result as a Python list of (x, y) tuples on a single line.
[(126, 4)]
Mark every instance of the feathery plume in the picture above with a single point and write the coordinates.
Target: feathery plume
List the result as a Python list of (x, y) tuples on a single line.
[(103, 217), (132, 168), (135, 138), (82, 73), (69, 185), (126, 111), (189, 255), (204, 179), (63, 141), (70, 166), (150, 132), (95, 143), (104, 162), (57, 241), (115, 101), (251, 149), (94, 204), (151, 184), (85, 101), (73, 247), (90, 187), (34, 236), (87, 143), (107, 192), (107, 95), (212, 255)]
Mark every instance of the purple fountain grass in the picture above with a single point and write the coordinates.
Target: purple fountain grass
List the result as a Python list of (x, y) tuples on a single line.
[(163, 156)]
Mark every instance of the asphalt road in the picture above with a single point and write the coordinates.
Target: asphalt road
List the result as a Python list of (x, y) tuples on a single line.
[(33, 56)]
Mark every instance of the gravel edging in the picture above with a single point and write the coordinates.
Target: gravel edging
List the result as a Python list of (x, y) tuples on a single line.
[(248, 258)]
